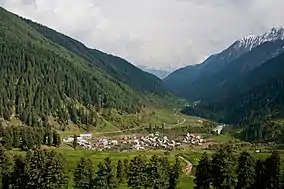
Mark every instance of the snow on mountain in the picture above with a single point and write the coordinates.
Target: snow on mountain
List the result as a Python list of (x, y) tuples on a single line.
[(252, 41), (247, 43)]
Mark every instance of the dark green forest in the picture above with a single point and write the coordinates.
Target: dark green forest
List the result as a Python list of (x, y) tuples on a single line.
[(115, 66), (226, 170), (46, 169), (44, 73)]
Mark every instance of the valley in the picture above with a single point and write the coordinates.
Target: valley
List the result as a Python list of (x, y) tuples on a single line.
[(75, 117)]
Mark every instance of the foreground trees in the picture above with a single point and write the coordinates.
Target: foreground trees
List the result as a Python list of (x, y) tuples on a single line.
[(218, 171)]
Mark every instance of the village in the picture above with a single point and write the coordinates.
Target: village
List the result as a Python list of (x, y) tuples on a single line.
[(133, 142)]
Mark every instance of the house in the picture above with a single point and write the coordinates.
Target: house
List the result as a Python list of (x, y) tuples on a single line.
[(86, 136)]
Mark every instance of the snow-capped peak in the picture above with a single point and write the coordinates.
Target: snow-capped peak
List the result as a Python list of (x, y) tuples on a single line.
[(247, 43), (251, 41)]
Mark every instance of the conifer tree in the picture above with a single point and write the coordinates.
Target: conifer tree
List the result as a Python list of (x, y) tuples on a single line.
[(245, 171), (260, 175), (17, 137), (6, 167), (222, 169), (105, 176), (75, 142), (203, 173), (18, 180), (272, 164), (83, 174), (125, 167), (119, 172), (175, 174), (45, 170), (137, 176)]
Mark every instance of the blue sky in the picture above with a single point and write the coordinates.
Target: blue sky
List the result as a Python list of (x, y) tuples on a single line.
[(164, 34)]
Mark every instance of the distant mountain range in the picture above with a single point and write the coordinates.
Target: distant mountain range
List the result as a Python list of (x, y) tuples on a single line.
[(246, 77), (157, 72)]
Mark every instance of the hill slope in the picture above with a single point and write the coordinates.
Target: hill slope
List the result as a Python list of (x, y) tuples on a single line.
[(218, 75), (115, 66), (263, 96), (40, 78)]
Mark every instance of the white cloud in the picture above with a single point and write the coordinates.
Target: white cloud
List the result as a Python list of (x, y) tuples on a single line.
[(155, 33)]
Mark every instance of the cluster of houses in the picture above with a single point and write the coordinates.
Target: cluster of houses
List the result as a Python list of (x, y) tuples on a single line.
[(151, 141), (154, 141), (193, 139)]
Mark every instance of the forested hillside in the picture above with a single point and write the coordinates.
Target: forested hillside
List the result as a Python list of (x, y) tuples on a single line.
[(117, 67), (40, 78)]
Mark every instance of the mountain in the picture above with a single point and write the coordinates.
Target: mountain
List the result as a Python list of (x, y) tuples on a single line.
[(117, 67), (216, 77), (157, 72), (46, 74)]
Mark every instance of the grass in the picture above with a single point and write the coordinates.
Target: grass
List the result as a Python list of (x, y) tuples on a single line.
[(73, 156), (147, 117)]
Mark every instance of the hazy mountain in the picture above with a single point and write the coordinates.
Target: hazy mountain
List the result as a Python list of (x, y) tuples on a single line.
[(157, 72), (216, 77)]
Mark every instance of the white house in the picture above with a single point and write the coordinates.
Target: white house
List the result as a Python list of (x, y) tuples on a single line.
[(86, 136)]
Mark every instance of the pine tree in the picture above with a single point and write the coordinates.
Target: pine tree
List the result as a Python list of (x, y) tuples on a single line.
[(6, 167), (222, 169), (49, 138), (203, 173), (245, 171), (17, 137), (260, 175), (272, 165), (75, 142), (153, 172), (105, 177), (56, 139), (18, 180), (137, 176), (126, 167), (119, 172), (45, 170), (175, 174), (83, 174), (164, 169)]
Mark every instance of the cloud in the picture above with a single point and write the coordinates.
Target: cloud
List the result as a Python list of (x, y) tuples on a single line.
[(155, 33)]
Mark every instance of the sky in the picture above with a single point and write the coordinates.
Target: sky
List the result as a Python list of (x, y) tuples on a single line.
[(161, 34)]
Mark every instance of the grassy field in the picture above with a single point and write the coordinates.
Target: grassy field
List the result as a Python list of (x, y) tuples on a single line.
[(73, 156), (119, 124)]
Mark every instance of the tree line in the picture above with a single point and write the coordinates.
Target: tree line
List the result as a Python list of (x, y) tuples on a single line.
[(157, 173), (46, 169), (226, 171), (27, 138)]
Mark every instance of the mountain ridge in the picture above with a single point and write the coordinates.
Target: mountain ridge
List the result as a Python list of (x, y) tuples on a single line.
[(195, 81)]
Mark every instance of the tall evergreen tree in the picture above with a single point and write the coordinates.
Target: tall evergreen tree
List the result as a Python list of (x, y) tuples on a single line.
[(175, 174), (272, 164), (119, 172), (105, 176), (45, 170), (6, 167), (137, 176), (18, 179), (125, 167), (203, 173), (222, 169), (83, 174), (245, 171), (75, 142), (260, 175)]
